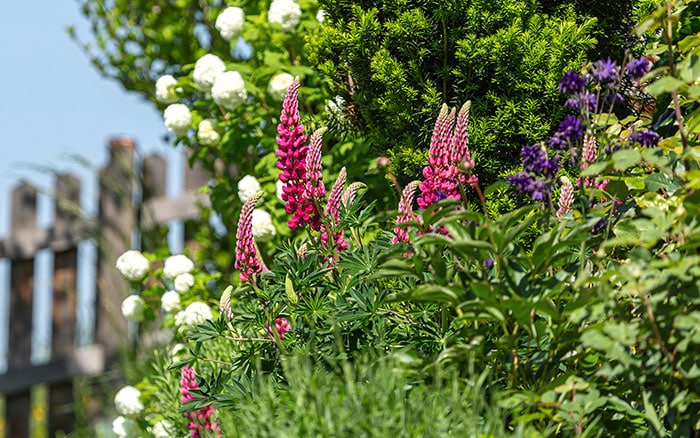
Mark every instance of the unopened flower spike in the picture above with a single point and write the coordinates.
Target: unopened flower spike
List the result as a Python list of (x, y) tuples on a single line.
[(314, 177), (333, 205), (566, 196), (247, 259), (350, 193), (405, 211), (225, 303)]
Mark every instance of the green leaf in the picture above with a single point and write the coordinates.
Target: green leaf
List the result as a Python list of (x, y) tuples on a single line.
[(626, 158), (434, 293), (666, 84)]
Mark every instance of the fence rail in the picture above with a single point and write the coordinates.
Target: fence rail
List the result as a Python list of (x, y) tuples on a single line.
[(132, 198)]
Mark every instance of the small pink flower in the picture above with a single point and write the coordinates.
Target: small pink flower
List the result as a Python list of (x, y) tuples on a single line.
[(200, 422), (566, 196), (281, 326)]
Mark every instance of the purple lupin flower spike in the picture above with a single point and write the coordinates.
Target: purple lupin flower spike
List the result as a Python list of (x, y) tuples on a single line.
[(292, 160), (247, 260), (314, 178), (405, 211), (566, 196)]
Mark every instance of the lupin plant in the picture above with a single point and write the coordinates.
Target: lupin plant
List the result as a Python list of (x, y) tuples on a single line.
[(590, 130)]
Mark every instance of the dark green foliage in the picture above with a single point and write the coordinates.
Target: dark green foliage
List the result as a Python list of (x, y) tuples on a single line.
[(397, 62)]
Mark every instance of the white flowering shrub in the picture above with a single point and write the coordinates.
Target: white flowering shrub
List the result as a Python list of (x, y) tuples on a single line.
[(183, 282), (247, 187), (177, 118), (230, 23), (165, 89), (194, 314), (133, 265), (263, 228), (278, 85), (207, 134), (176, 265), (286, 13), (170, 301), (229, 90), (206, 70), (127, 401), (133, 308), (124, 427)]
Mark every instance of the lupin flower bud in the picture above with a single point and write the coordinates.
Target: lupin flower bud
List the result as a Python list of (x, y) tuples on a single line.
[(225, 303), (350, 193), (247, 260), (566, 196), (333, 212), (314, 177), (405, 211)]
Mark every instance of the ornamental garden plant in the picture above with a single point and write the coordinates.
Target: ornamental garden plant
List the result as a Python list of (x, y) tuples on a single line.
[(575, 314)]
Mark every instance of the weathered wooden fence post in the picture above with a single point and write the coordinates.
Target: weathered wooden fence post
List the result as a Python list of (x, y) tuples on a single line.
[(117, 220), (22, 228)]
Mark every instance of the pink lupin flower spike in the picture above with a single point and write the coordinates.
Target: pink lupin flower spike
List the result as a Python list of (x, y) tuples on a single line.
[(292, 160), (314, 177), (201, 423), (405, 211), (247, 259), (566, 196)]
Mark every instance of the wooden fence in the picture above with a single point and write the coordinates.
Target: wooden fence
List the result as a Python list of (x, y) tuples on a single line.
[(132, 197)]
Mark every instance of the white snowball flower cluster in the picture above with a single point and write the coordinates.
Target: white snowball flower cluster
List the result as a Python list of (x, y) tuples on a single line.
[(176, 265), (279, 186), (230, 23), (132, 308), (196, 313), (133, 265), (125, 427), (321, 15), (206, 70), (286, 13), (165, 89), (177, 118), (206, 133), (183, 282), (127, 402), (229, 90), (277, 87), (263, 228), (162, 429), (170, 301), (247, 187)]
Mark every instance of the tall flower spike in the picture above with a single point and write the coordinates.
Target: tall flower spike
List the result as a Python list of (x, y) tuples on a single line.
[(247, 260), (441, 176), (405, 211), (292, 160), (350, 193), (566, 196), (333, 212), (589, 154), (200, 422), (333, 205), (314, 177), (460, 140)]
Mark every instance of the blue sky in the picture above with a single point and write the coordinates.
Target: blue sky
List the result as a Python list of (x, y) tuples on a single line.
[(53, 104)]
